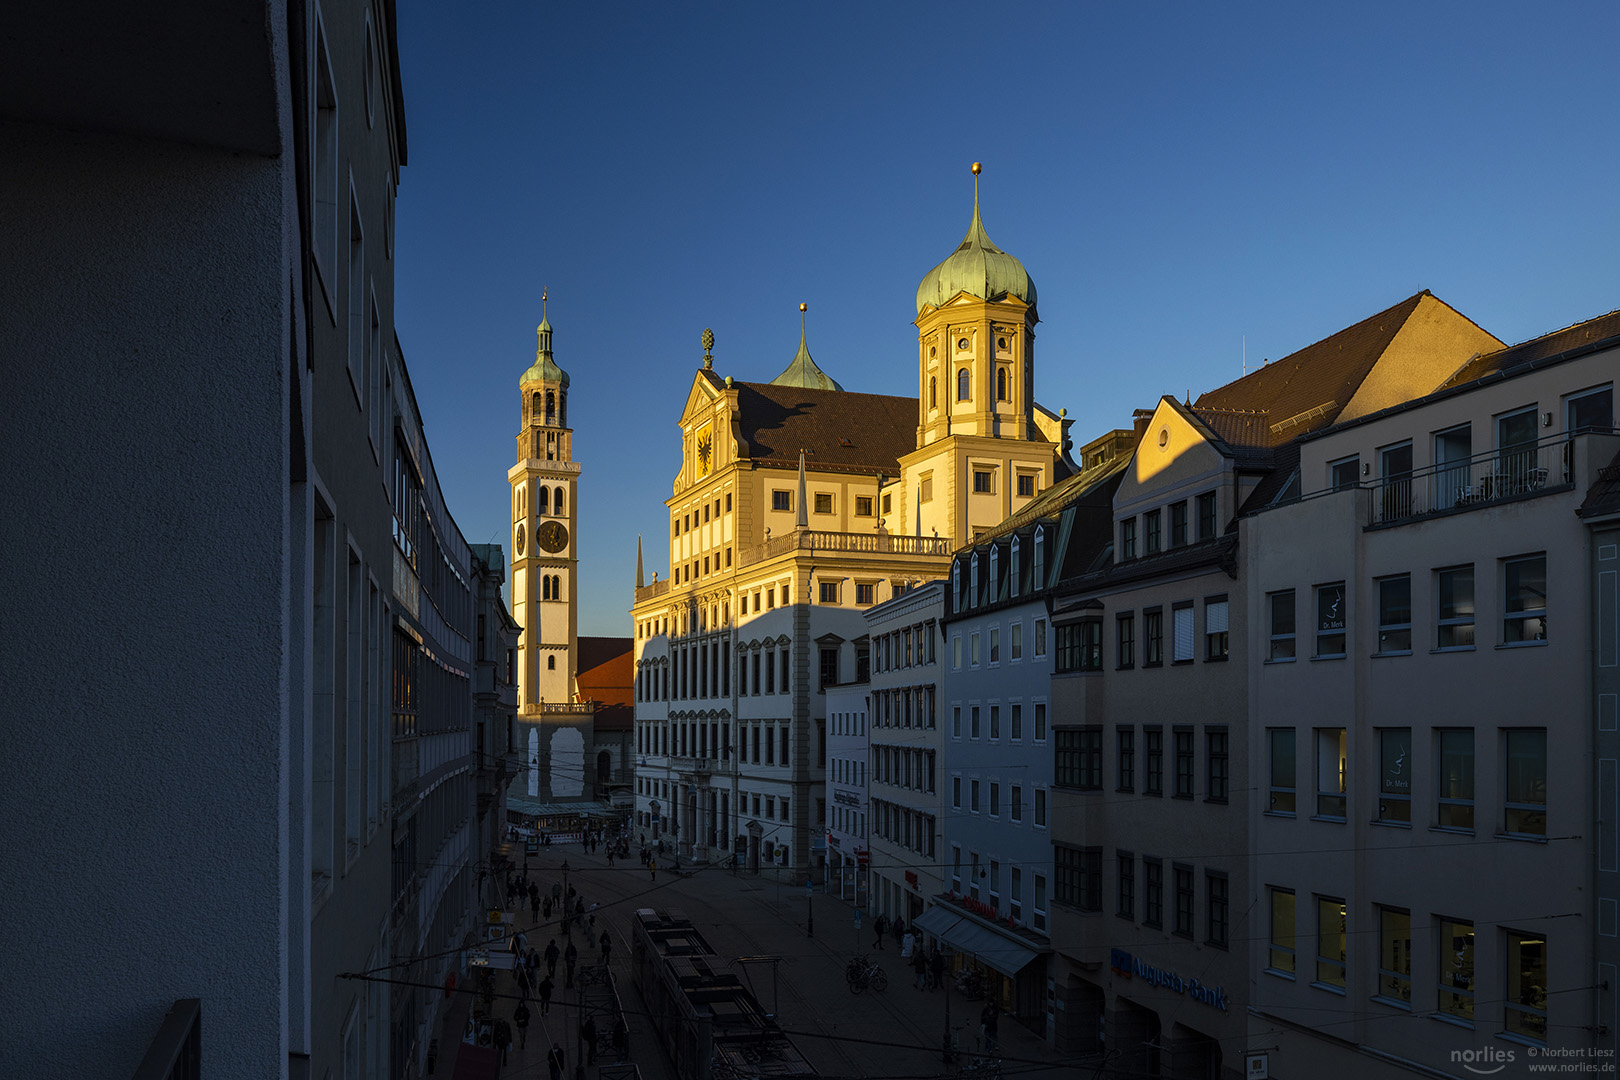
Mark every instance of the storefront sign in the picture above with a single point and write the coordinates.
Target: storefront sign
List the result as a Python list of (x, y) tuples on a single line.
[(845, 798), (1123, 963)]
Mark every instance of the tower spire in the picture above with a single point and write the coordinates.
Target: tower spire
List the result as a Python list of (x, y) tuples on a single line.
[(640, 575), (802, 519)]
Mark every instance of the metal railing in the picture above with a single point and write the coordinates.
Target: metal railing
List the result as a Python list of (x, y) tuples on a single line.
[(869, 543), (176, 1050), (1505, 473)]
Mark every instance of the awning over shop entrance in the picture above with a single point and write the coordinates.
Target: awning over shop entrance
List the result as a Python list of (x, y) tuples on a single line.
[(971, 939)]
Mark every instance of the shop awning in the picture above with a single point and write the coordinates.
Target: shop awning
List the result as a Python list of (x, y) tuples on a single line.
[(971, 939)]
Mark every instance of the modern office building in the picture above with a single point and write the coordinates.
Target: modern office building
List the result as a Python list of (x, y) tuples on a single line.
[(1432, 725)]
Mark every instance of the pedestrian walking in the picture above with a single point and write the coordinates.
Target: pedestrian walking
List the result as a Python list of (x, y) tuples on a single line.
[(652, 868), (880, 929), (936, 967), (524, 985), (898, 929), (534, 907), (545, 989), (552, 952), (987, 1025), (919, 964), (520, 1017), (588, 1032), (555, 1061), (607, 946), (503, 1038)]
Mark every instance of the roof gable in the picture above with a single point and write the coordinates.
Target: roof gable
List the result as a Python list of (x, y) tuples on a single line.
[(1178, 446)]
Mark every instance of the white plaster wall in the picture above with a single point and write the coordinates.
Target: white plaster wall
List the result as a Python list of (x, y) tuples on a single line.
[(143, 547)]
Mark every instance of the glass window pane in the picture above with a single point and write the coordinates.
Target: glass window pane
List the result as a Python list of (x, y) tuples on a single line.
[(1395, 955), (1394, 775), (1525, 1010), (1456, 963)]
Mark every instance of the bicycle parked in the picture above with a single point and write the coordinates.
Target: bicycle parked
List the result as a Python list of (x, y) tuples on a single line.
[(862, 972)]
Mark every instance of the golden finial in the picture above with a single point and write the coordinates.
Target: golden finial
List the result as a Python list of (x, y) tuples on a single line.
[(976, 167), (803, 308)]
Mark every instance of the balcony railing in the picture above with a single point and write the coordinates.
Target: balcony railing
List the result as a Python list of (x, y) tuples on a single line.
[(176, 1051), (866, 543), (1506, 473)]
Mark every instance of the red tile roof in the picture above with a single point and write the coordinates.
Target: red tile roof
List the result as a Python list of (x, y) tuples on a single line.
[(840, 430)]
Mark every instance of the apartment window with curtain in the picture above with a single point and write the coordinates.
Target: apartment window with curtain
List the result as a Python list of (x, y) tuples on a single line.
[(1216, 641), (1153, 637), (1182, 623)]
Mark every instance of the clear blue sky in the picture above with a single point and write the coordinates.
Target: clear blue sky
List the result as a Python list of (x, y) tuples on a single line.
[(1175, 177)]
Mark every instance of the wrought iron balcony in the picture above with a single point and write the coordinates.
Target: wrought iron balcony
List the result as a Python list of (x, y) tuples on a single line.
[(1513, 472)]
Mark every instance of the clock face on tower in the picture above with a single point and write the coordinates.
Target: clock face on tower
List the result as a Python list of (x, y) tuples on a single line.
[(520, 538), (552, 535)]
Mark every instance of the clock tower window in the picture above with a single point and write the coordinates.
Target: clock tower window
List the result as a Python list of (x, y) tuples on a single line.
[(544, 505), (558, 504), (551, 407)]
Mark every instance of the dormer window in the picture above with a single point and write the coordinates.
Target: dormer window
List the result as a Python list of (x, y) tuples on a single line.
[(1012, 565), (1040, 559), (973, 578), (995, 569)]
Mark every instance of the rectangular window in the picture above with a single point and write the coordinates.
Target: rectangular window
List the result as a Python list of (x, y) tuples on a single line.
[(1153, 638), (1395, 956), (1524, 753), (1330, 620), (1281, 746), (1215, 628), (1151, 526), (1017, 801), (1395, 615), (1282, 625), (863, 506), (995, 644), (1017, 722), (1178, 524), (829, 667), (1184, 762), (956, 722), (1454, 625), (1026, 485), (1395, 482), (1206, 516), (1218, 916), (1127, 538), (1182, 623), (1344, 473), (995, 721), (925, 490), (1184, 901), (1040, 637), (1125, 759), (956, 793), (1152, 892), (782, 501), (1040, 808), (1524, 600), (973, 796), (1040, 722), (1039, 921), (973, 648), (1330, 942), (1015, 640), (1456, 944), (1395, 775), (956, 651), (1125, 641), (1524, 1005), (1125, 903), (973, 722), (1068, 647), (823, 502), (829, 592), (1281, 956), (984, 481), (865, 594), (995, 800), (1153, 761), (1218, 765), (1330, 772), (1454, 753)]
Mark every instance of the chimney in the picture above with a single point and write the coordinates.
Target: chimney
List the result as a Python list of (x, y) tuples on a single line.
[(1139, 421)]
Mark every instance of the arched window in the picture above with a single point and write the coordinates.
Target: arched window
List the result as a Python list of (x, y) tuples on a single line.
[(551, 663), (1040, 559), (964, 384), (557, 507), (556, 587), (551, 407), (545, 497), (562, 409), (1001, 385), (535, 406), (1012, 565), (973, 578), (545, 586), (995, 569), (933, 396)]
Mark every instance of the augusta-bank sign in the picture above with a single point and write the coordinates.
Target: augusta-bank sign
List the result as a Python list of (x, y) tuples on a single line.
[(1123, 963)]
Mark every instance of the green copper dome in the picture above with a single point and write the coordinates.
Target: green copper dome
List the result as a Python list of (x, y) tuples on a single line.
[(977, 267), (802, 371), (544, 369)]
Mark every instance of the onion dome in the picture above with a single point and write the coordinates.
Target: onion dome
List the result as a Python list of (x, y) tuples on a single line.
[(977, 266), (544, 368)]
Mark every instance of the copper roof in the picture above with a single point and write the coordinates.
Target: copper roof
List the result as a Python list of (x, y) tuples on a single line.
[(839, 429)]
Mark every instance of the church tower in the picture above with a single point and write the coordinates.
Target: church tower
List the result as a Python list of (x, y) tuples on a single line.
[(545, 565), (983, 448)]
